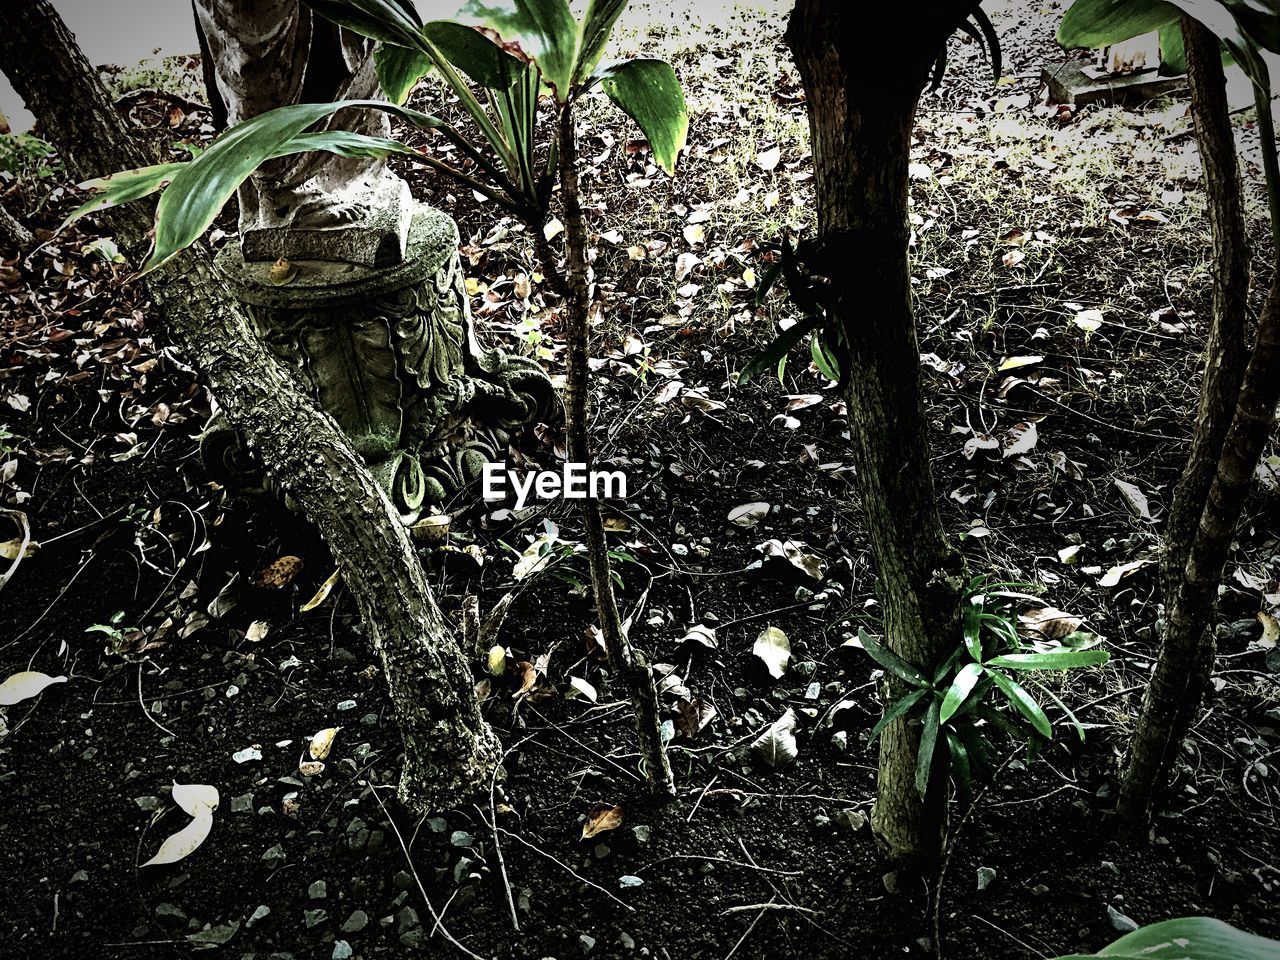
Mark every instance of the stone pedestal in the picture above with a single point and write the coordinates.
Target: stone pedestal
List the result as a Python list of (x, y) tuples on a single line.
[(390, 353)]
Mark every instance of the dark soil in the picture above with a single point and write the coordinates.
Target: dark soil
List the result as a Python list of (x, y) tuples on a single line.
[(748, 861)]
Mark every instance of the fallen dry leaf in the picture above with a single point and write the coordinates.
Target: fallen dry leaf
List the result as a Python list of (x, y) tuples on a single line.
[(25, 685), (601, 817), (323, 593), (279, 573)]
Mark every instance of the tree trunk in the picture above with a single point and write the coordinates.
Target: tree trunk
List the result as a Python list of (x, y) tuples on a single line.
[(627, 664), (449, 749), (1225, 353), (860, 121), (1186, 657)]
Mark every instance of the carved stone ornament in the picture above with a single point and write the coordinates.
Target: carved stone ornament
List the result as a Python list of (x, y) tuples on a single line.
[(391, 354)]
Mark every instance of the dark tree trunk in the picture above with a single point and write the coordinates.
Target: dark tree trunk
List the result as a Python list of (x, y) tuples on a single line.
[(860, 118), (1238, 414), (1225, 353), (449, 749), (627, 664)]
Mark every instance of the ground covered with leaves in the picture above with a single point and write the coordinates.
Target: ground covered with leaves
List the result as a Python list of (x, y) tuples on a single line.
[(1059, 264)]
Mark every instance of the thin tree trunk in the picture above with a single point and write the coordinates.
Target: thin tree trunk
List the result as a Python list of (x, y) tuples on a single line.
[(860, 121), (1225, 353), (449, 749), (627, 664), (1186, 657)]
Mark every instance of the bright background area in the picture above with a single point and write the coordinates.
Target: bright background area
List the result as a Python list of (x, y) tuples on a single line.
[(125, 32)]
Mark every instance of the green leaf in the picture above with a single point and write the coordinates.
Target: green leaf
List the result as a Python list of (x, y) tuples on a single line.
[(1053, 660), (973, 626), (391, 21), (928, 741), (474, 53), (896, 709), (124, 187), (649, 93), (890, 660), (960, 689), (1025, 704), (1173, 54), (1075, 722), (201, 188), (597, 25), (976, 745), (960, 767), (822, 358), (1101, 23), (543, 31), (778, 349), (399, 69), (1193, 938)]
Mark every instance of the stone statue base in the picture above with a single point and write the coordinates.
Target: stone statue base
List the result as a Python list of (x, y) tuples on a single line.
[(391, 354)]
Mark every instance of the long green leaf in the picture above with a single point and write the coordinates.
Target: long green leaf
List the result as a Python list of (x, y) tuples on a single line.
[(928, 743), (597, 25), (474, 53), (649, 92), (1053, 660), (778, 348), (201, 188), (959, 690), (896, 709), (124, 187), (1025, 703), (543, 31), (391, 21), (891, 661), (960, 767), (1173, 53), (1075, 721), (1101, 23), (972, 626), (399, 69), (1188, 938)]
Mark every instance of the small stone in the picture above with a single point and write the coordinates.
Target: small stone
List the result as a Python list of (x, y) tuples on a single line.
[(586, 943), (1120, 921), (274, 853), (642, 832), (626, 941), (242, 803), (147, 804), (346, 705), (985, 876), (318, 890), (171, 914), (851, 820), (840, 740), (1039, 890), (356, 922), (407, 919), (315, 917), (890, 881), (342, 950), (403, 880), (259, 914)]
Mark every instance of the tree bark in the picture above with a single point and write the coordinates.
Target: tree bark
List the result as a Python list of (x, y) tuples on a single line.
[(627, 664), (13, 234), (1238, 414), (1225, 353), (860, 120), (449, 749), (1187, 654)]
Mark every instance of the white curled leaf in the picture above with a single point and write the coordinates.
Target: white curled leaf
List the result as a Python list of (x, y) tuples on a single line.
[(774, 649), (196, 798), (185, 842), (777, 745), (323, 593), (322, 742), (581, 688), (25, 685)]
